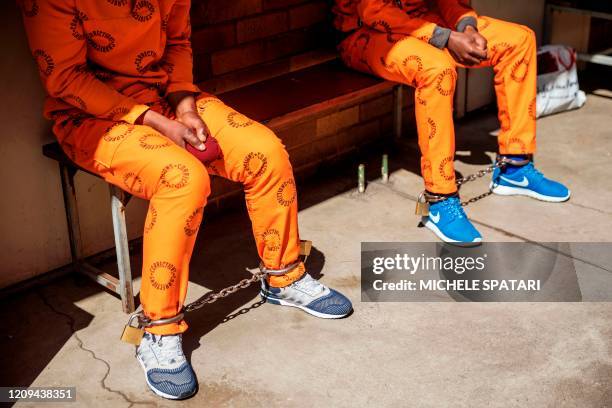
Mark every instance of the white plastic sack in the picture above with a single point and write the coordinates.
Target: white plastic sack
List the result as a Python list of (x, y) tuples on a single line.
[(558, 89)]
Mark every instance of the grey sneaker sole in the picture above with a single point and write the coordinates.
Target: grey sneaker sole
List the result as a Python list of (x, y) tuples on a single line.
[(156, 391), (281, 302)]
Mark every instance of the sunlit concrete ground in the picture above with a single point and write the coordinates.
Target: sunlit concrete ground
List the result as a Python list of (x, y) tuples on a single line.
[(386, 354)]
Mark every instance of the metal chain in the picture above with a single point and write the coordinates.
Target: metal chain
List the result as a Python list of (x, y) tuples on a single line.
[(480, 173), (243, 284), (477, 198), (214, 296), (477, 175), (209, 298)]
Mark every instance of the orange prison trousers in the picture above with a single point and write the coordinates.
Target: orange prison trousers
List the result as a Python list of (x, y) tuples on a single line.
[(414, 62), (147, 164)]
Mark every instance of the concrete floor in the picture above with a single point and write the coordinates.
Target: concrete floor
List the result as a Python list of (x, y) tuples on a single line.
[(385, 354)]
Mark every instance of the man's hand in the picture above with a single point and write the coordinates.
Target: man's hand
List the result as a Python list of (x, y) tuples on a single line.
[(180, 133), (193, 121), (172, 129), (467, 48), (186, 113), (480, 41)]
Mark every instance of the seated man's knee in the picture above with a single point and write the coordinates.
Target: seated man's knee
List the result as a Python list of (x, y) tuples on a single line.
[(442, 73), (267, 155), (201, 181), (188, 177), (521, 35), (530, 36)]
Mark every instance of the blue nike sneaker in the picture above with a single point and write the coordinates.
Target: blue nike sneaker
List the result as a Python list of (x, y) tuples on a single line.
[(450, 223), (310, 295), (528, 181)]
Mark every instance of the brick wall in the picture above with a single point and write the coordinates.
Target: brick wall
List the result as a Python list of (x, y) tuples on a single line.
[(340, 132), (238, 42)]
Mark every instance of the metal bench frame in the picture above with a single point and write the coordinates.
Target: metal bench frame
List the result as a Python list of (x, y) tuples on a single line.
[(119, 199)]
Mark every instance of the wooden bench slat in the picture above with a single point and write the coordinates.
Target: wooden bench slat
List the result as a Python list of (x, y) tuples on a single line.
[(327, 106), (54, 151), (279, 96)]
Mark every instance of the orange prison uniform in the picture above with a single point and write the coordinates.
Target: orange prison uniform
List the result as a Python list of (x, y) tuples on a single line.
[(391, 39), (103, 63)]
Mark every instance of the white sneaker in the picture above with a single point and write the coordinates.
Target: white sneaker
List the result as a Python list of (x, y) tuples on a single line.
[(310, 295), (167, 371)]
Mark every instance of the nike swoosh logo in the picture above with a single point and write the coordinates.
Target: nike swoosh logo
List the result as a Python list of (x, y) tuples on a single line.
[(522, 183), (435, 218)]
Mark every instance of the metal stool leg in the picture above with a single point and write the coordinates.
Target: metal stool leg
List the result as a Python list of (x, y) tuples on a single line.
[(72, 215), (119, 200), (397, 111)]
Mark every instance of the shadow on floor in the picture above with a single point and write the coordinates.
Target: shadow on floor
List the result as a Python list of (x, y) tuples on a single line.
[(35, 325)]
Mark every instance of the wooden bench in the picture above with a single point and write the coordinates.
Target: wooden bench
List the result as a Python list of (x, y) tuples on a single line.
[(278, 102)]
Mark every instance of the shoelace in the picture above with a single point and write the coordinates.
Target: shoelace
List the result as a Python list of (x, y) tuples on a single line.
[(167, 349), (309, 285), (453, 208), (535, 174)]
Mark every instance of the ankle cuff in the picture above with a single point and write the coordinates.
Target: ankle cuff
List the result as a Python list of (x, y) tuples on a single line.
[(280, 281), (432, 198), (517, 160), (166, 329)]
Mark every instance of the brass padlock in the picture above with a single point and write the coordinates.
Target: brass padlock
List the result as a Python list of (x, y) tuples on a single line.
[(422, 206), (132, 334)]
